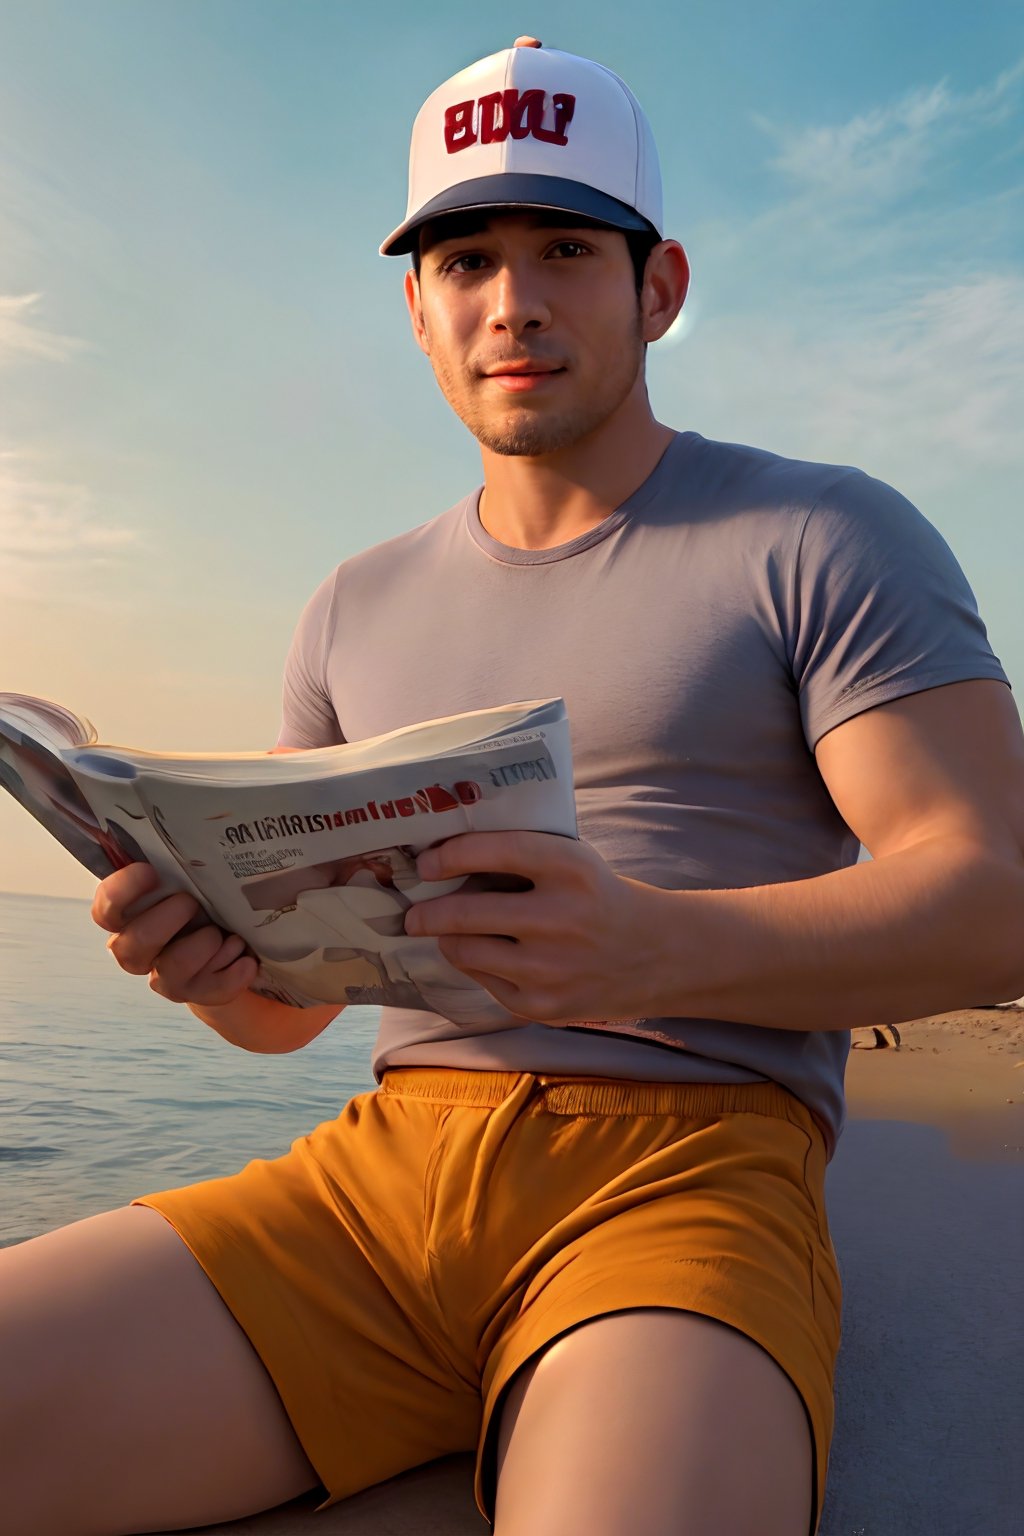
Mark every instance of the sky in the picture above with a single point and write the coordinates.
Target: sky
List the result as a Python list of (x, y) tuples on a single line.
[(209, 390)]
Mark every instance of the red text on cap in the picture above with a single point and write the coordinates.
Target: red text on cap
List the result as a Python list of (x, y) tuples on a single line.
[(504, 113)]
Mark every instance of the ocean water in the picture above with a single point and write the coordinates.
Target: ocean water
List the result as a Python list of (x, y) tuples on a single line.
[(108, 1091)]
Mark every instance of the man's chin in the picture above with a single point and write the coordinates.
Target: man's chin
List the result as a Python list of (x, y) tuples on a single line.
[(529, 439), (513, 447)]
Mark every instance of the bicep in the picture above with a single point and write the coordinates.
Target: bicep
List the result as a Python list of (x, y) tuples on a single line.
[(308, 716), (948, 761)]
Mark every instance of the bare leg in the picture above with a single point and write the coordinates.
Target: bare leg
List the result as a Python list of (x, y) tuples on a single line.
[(130, 1399), (650, 1422)]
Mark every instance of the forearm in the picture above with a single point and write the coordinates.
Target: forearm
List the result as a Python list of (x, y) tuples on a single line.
[(259, 1024), (927, 930)]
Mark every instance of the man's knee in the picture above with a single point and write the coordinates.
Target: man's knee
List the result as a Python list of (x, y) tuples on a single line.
[(654, 1421)]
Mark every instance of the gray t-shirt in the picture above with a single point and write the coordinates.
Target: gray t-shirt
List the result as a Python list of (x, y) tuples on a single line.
[(704, 637)]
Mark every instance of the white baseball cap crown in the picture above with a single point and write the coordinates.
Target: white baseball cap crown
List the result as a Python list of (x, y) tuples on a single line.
[(532, 127)]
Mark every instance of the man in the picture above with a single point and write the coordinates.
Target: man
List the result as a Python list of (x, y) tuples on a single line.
[(590, 1243)]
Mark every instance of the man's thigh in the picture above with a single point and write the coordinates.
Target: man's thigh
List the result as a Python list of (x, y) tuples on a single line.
[(130, 1398), (653, 1422)]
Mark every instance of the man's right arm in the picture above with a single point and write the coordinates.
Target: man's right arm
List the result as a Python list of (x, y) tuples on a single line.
[(211, 974), (259, 1024)]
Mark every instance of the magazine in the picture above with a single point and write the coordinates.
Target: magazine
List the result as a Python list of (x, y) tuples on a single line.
[(309, 856)]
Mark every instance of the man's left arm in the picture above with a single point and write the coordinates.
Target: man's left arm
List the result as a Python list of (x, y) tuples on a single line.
[(933, 785)]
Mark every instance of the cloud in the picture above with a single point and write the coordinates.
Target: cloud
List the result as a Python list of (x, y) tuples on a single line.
[(883, 153), (21, 337), (52, 539), (51, 536), (928, 393), (835, 326)]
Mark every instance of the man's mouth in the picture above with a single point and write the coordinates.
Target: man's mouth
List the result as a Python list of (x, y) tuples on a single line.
[(523, 377), (522, 381), (515, 370)]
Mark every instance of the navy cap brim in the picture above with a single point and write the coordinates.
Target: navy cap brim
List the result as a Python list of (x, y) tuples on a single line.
[(517, 190)]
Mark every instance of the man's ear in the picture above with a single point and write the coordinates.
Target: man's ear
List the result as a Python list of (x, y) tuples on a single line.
[(415, 307), (666, 283)]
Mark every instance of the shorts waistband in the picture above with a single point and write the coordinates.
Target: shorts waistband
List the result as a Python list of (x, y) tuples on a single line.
[(565, 1095)]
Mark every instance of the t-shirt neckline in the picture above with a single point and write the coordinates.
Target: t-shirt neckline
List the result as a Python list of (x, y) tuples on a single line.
[(508, 554)]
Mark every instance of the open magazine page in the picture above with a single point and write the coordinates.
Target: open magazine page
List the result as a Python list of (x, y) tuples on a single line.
[(127, 824), (427, 741), (317, 876), (99, 821), (33, 733), (44, 723), (41, 781)]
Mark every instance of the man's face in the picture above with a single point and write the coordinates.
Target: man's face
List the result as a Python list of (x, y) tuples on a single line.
[(527, 286)]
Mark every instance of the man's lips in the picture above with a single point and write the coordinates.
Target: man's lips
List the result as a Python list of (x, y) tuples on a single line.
[(523, 376), (523, 365)]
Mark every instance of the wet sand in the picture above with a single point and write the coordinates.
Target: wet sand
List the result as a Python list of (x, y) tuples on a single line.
[(925, 1197), (962, 1072), (922, 1195)]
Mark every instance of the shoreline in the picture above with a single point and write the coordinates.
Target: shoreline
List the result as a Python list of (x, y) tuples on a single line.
[(960, 1072)]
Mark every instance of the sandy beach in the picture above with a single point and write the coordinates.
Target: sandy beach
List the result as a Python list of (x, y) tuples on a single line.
[(929, 1246), (962, 1072)]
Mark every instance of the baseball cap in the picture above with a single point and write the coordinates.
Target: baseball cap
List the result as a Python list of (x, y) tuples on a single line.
[(532, 127)]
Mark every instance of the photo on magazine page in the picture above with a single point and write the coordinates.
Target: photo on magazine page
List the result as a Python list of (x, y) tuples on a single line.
[(336, 931), (40, 782)]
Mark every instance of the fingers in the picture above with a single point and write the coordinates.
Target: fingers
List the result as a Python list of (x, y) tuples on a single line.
[(204, 968), (212, 989), (136, 946), (510, 853), (119, 891), (476, 914)]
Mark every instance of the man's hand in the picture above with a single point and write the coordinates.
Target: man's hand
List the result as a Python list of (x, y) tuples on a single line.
[(202, 967), (583, 944)]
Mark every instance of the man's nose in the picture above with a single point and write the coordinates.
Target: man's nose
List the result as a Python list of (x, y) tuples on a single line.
[(517, 301)]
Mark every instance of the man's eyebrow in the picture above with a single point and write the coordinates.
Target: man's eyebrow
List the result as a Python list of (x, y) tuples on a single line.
[(537, 221)]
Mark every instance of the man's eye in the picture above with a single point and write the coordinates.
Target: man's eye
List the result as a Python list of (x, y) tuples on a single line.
[(478, 255), (451, 265)]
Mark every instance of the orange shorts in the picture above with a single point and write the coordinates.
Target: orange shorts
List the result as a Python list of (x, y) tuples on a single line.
[(398, 1265)]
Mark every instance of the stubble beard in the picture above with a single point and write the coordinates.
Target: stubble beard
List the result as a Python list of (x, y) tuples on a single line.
[(525, 431)]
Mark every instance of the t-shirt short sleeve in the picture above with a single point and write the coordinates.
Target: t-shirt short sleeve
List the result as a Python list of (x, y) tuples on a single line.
[(308, 718), (882, 607)]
